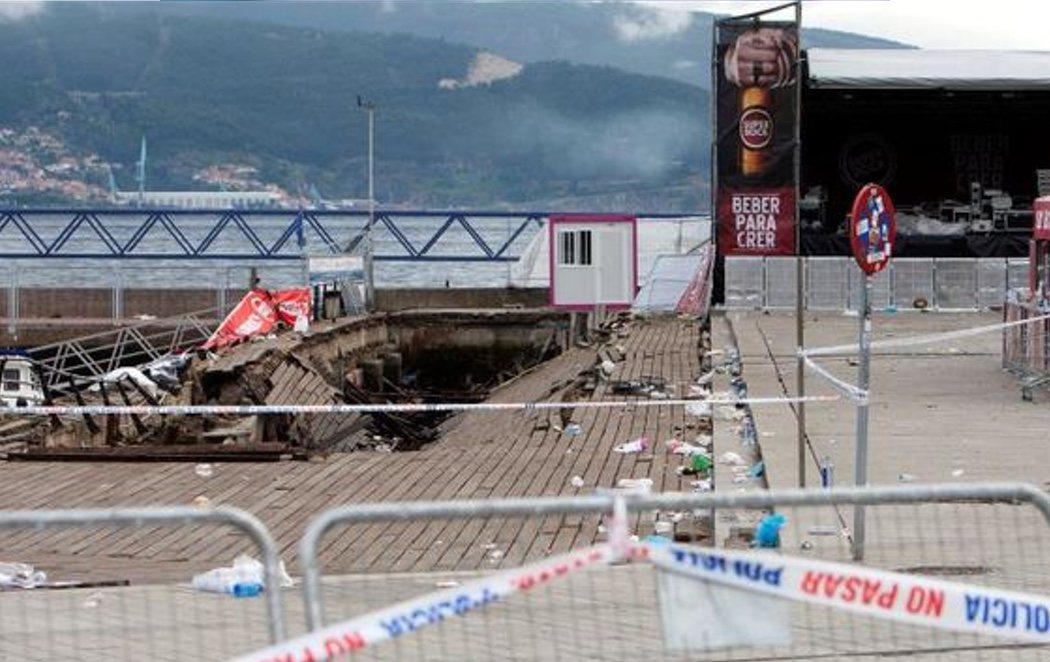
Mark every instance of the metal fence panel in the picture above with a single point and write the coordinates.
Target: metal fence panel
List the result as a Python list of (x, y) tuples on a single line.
[(1017, 273), (882, 292), (913, 280), (745, 282), (991, 283), (98, 604), (781, 283), (826, 283), (955, 280), (993, 536)]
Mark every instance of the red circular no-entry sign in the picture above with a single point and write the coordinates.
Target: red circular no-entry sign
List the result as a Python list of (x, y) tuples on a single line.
[(872, 228)]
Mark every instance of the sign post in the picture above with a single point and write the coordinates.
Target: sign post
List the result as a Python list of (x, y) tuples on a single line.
[(872, 231)]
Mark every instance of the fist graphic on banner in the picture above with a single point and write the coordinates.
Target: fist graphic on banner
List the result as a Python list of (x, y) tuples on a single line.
[(762, 57)]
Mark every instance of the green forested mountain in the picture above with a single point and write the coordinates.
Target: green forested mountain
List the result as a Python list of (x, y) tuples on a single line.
[(283, 99)]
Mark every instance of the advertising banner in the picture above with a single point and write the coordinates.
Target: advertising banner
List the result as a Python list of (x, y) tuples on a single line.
[(1041, 226), (755, 127), (258, 313)]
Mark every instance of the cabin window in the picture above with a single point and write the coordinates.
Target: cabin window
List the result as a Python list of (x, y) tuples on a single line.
[(574, 248), (11, 380)]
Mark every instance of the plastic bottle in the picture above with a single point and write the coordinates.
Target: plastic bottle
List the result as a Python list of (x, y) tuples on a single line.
[(827, 472), (246, 590)]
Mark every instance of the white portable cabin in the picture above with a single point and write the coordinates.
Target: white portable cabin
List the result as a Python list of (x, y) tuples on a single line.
[(593, 261)]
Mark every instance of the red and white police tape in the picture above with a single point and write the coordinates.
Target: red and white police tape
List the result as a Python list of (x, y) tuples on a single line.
[(866, 591), (412, 615)]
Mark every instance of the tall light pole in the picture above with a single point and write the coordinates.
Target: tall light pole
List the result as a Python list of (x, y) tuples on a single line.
[(370, 283)]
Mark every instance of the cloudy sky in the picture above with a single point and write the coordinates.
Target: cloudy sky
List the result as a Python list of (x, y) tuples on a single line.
[(1011, 24)]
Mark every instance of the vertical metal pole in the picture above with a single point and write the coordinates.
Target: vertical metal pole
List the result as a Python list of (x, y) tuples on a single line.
[(370, 283), (860, 451), (800, 277)]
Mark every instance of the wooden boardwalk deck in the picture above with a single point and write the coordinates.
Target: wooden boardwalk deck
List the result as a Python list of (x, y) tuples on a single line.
[(482, 455)]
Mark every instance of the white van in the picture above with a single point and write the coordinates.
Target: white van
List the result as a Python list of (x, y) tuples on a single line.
[(19, 384)]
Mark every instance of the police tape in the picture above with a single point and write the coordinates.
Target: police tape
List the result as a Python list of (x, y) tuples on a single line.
[(250, 410), (854, 393), (927, 339), (413, 615), (866, 591)]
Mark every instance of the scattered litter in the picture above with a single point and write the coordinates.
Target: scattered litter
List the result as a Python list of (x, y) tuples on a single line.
[(767, 533), (607, 367), (731, 458), (383, 448), (201, 502), (849, 313), (679, 447), (700, 462), (490, 545), (448, 583), (677, 517), (727, 413), (601, 528), (557, 428), (767, 433), (573, 429), (852, 362), (439, 542), (740, 479), (905, 478), (641, 386), (246, 578), (891, 309), (638, 445), (21, 575), (204, 470), (706, 378), (662, 528), (805, 545), (658, 395), (92, 600), (640, 485), (703, 440), (495, 555), (576, 482), (698, 408), (822, 530), (757, 470), (701, 485), (958, 472)]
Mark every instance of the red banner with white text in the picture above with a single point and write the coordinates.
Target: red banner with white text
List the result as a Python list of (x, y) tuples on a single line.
[(258, 313)]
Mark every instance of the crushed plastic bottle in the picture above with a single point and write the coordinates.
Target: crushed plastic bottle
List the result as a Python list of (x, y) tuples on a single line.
[(21, 575), (827, 472), (730, 458), (639, 445), (679, 447), (204, 470), (576, 482), (640, 485), (573, 429)]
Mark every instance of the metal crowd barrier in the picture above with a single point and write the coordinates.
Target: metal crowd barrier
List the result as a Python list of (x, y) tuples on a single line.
[(539, 579), (951, 571), (1026, 347), (834, 283), (94, 612)]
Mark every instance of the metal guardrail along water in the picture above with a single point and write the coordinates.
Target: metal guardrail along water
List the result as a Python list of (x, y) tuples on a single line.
[(403, 236)]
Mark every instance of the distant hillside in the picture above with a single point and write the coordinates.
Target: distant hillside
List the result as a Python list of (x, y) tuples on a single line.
[(282, 100), (671, 43)]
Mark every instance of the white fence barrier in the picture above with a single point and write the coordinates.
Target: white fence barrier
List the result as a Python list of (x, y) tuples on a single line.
[(834, 283)]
